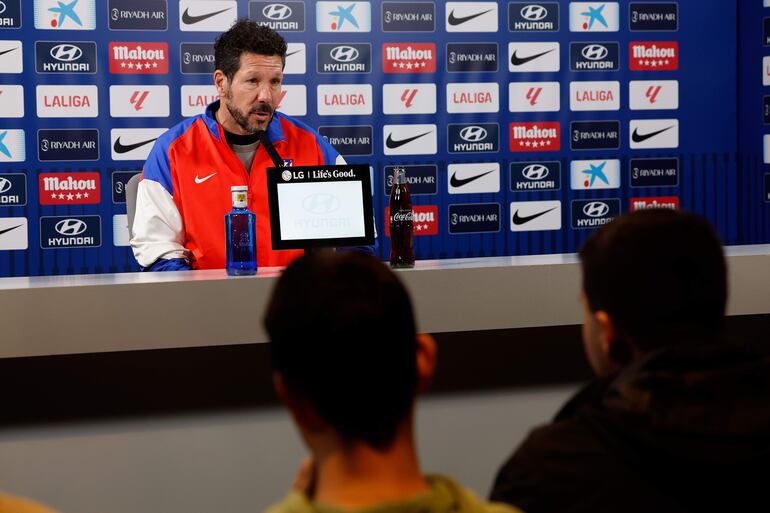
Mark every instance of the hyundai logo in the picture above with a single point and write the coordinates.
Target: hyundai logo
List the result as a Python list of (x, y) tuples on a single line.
[(534, 12), (276, 12), (535, 172), (66, 53), (596, 209), (344, 53), (321, 203), (5, 185), (2, 7), (595, 52), (473, 133), (71, 227)]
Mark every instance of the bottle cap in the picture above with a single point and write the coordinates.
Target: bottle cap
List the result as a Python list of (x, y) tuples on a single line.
[(239, 188)]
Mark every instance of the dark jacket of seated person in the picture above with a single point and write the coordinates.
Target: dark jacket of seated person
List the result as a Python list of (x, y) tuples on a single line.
[(348, 364), (678, 419)]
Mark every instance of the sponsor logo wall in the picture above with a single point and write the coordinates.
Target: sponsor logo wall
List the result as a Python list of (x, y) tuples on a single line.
[(521, 125)]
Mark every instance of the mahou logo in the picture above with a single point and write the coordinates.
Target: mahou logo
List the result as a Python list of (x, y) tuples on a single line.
[(69, 188), (665, 202), (535, 137), (425, 219), (138, 58), (652, 56), (409, 58)]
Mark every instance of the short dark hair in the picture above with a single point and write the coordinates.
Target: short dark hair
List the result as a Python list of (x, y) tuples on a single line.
[(656, 272), (342, 335), (246, 36)]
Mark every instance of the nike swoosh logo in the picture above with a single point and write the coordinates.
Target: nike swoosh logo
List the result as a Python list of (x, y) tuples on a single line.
[(517, 220), (637, 137), (201, 180), (6, 51), (292, 53), (518, 61), (459, 182), (393, 144), (187, 19), (453, 20), (121, 148), (8, 229)]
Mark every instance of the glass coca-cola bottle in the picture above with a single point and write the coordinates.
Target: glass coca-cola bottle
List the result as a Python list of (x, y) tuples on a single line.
[(401, 222)]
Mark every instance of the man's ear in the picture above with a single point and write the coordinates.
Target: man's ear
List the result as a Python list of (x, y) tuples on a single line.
[(301, 410), (608, 337), (426, 361), (220, 81)]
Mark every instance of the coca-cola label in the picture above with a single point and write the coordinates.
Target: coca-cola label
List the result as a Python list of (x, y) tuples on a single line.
[(402, 216), (425, 218)]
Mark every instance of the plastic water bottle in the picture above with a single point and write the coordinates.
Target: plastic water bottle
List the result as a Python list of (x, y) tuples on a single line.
[(240, 235)]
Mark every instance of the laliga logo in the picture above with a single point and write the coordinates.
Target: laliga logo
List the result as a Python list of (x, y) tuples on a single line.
[(535, 172), (473, 133), (66, 53), (596, 209), (5, 185), (70, 227), (534, 12), (321, 203), (276, 12), (344, 53), (595, 52)]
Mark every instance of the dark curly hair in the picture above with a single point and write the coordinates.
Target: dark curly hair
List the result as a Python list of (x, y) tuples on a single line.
[(246, 36)]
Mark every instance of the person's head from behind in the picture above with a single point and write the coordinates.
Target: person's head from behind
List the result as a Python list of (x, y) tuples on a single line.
[(346, 357), (651, 279), (249, 61)]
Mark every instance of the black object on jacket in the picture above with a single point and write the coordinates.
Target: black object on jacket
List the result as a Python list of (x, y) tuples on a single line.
[(681, 430)]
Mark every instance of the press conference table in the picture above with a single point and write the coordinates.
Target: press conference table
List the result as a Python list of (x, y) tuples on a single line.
[(59, 315)]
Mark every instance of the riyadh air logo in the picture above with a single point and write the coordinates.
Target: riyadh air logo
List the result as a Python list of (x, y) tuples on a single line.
[(409, 58), (409, 99), (408, 17), (65, 14), (654, 133), (138, 14), (474, 218), (533, 17), (343, 17), (13, 233), (653, 94), (473, 178), (471, 16), (473, 138), (65, 57), (410, 139), (594, 213), (528, 216), (535, 176), (69, 188), (11, 60), (205, 16), (11, 101), (528, 57), (12, 148), (654, 16), (65, 145), (280, 16), (139, 101), (594, 16), (70, 232), (534, 97), (594, 174)]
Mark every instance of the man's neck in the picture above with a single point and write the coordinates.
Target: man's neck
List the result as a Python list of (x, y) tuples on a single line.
[(357, 475)]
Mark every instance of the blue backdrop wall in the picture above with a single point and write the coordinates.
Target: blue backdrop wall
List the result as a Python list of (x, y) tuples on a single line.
[(523, 125)]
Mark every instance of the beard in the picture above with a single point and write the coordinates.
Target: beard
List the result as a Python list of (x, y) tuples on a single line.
[(242, 118)]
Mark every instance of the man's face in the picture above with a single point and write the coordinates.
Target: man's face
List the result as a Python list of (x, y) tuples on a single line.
[(254, 92)]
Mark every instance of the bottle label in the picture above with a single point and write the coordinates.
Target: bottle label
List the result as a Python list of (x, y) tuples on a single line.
[(402, 216), (240, 199)]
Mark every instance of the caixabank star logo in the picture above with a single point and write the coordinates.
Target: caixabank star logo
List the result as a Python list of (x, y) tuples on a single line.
[(65, 14)]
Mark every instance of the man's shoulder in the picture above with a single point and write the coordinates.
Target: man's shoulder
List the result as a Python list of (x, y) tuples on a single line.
[(293, 127), (451, 496)]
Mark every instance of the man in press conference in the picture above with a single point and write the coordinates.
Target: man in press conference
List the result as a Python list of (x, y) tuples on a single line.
[(185, 189)]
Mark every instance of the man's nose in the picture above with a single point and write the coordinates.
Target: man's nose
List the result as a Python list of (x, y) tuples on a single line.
[(263, 93)]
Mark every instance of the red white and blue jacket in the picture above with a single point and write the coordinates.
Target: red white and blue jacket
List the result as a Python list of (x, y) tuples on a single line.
[(185, 191)]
